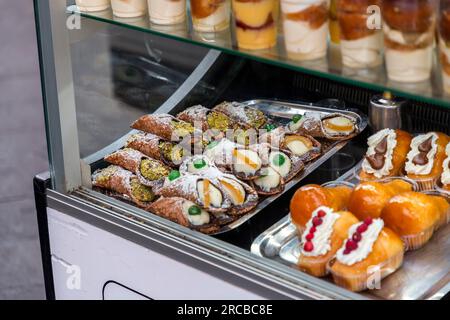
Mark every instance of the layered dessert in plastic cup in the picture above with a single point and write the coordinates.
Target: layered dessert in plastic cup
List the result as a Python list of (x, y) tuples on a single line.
[(167, 12), (361, 46), (129, 8), (210, 15), (92, 5), (409, 30), (305, 27), (256, 23), (444, 42), (335, 31)]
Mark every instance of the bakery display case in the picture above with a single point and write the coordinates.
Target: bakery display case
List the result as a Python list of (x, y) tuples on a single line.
[(224, 149)]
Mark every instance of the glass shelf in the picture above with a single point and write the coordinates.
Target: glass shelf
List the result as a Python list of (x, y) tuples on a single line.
[(430, 91)]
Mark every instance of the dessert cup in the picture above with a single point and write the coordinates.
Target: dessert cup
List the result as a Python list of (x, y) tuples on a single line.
[(92, 5), (444, 42), (305, 27), (409, 29), (210, 15), (129, 8), (335, 31), (167, 12), (256, 23), (361, 46)]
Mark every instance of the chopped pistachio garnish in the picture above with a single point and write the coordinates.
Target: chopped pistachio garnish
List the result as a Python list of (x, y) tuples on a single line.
[(153, 170), (182, 128), (218, 121), (141, 192), (171, 151), (256, 117)]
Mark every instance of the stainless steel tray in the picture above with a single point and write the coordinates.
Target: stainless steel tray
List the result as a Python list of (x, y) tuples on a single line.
[(280, 112), (425, 273)]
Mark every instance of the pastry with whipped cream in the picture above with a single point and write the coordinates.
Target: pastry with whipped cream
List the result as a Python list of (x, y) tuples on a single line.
[(409, 32), (256, 23), (370, 253), (369, 198), (335, 126), (129, 8), (310, 197), (361, 46), (167, 12), (92, 5), (444, 43), (425, 159), (445, 177), (210, 15), (324, 234), (305, 27), (415, 216), (386, 154)]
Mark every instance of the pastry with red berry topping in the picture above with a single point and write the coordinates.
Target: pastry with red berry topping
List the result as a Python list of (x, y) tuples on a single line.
[(414, 216), (370, 253), (369, 198), (324, 234), (310, 197)]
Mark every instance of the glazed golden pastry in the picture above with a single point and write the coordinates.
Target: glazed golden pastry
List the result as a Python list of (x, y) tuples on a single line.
[(425, 158), (330, 229), (386, 154), (414, 217), (369, 198), (308, 198), (378, 249)]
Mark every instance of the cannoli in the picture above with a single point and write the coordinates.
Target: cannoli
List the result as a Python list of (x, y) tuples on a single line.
[(386, 154), (245, 117), (243, 197), (197, 189), (310, 197), (124, 184), (166, 126), (170, 153), (185, 213), (325, 233), (370, 248), (415, 216), (303, 146), (369, 198), (425, 159), (150, 172), (334, 126), (207, 119), (285, 163), (269, 182)]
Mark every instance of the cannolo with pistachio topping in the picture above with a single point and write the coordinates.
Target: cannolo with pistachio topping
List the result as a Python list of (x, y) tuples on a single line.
[(170, 153), (335, 126), (302, 146), (185, 213), (124, 184), (197, 189), (246, 117), (166, 126), (207, 119), (242, 196), (150, 172)]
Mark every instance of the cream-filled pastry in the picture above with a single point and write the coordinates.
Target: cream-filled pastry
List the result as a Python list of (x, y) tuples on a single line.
[(209, 194), (269, 180), (445, 177), (194, 214), (338, 125), (281, 163), (246, 162)]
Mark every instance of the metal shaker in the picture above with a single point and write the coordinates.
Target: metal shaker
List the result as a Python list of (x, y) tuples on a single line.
[(385, 111)]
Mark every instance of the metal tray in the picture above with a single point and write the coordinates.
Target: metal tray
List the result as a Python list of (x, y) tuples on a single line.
[(280, 113), (425, 273)]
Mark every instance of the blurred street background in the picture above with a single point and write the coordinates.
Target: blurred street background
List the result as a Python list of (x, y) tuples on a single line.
[(22, 152)]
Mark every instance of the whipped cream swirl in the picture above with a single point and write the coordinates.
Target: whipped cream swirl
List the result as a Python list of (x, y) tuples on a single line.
[(445, 178), (417, 169), (364, 246), (373, 142), (322, 236)]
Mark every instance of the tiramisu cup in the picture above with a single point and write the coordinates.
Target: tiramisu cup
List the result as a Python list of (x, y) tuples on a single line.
[(444, 42), (409, 30), (166, 12), (361, 44), (210, 15), (305, 26), (129, 8), (256, 23), (92, 5)]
